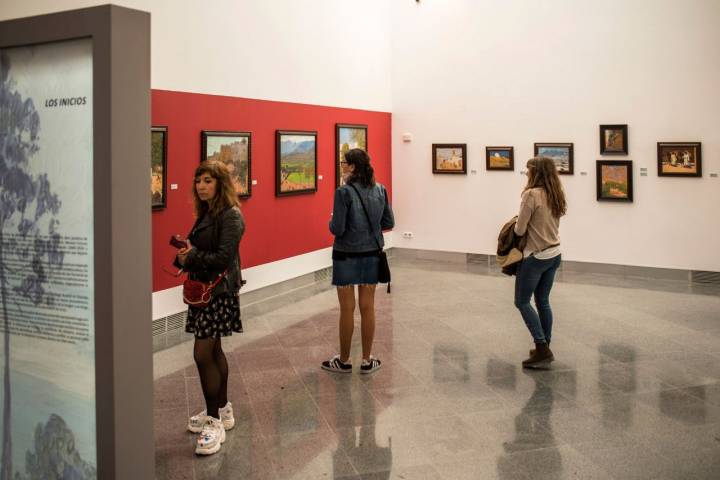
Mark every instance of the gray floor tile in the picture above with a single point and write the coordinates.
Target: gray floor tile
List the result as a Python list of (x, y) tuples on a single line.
[(293, 412), (263, 386), (240, 457), (561, 462), (679, 406), (169, 392), (310, 456), (261, 360)]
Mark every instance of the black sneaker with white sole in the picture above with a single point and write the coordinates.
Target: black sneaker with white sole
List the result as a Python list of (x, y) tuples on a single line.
[(337, 365), (370, 365)]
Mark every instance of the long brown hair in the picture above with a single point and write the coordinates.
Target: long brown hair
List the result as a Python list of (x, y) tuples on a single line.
[(542, 173), (225, 196)]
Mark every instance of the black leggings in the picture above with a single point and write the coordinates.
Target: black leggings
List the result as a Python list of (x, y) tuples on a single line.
[(213, 369)]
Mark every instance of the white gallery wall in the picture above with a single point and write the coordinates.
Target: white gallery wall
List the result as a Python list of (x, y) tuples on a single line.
[(321, 52), (515, 72)]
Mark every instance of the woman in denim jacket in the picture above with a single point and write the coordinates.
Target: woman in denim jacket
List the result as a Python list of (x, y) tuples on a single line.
[(355, 255)]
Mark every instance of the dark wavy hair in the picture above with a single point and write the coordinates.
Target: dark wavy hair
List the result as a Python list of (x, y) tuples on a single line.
[(542, 173), (225, 196), (363, 172)]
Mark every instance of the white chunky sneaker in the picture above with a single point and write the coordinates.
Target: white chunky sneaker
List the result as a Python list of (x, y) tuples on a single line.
[(211, 437), (197, 422), (227, 416)]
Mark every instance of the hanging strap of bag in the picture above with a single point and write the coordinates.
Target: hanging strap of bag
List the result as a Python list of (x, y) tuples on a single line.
[(381, 254)]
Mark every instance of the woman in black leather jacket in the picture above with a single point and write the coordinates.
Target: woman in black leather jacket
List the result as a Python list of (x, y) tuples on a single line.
[(212, 251)]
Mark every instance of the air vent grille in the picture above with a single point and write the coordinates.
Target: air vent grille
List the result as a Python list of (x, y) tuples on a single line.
[(477, 259), (158, 326), (323, 275), (176, 321), (169, 324), (708, 278)]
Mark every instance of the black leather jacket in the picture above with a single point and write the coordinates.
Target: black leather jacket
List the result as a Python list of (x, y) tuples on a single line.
[(216, 242)]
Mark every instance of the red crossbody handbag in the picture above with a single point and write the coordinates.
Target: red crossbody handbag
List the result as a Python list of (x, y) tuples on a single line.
[(198, 294)]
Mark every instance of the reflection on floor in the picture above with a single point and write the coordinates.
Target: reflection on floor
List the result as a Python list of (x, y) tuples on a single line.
[(634, 392)]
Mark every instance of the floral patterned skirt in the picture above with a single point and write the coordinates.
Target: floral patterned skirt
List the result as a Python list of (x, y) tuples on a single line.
[(219, 319)]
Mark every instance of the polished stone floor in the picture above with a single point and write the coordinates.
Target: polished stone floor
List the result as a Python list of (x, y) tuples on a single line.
[(634, 392)]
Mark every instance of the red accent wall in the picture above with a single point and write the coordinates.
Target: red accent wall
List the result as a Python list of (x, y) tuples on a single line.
[(277, 227)]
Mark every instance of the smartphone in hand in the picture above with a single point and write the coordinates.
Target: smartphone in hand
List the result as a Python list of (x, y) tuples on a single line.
[(177, 241)]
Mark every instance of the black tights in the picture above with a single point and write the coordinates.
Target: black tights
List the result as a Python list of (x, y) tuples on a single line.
[(213, 369)]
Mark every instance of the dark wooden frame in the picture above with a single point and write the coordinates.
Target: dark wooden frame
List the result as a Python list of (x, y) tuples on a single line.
[(598, 181), (461, 146), (164, 130), (489, 150), (223, 133), (278, 137), (338, 126), (698, 158), (122, 253), (603, 147), (571, 161)]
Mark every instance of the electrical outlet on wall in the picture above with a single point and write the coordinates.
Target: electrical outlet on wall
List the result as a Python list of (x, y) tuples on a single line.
[(407, 235)]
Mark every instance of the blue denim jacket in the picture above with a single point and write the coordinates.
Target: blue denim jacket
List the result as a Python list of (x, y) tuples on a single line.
[(349, 223)]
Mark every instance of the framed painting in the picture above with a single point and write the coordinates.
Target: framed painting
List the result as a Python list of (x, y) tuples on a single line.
[(561, 153), (449, 158), (158, 167), (499, 158), (614, 180), (347, 137), (234, 150), (679, 159), (296, 162), (613, 139)]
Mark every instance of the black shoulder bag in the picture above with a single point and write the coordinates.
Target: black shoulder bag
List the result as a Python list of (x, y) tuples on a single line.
[(383, 267)]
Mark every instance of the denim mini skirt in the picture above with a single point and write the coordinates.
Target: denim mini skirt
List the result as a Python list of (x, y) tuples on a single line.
[(355, 270)]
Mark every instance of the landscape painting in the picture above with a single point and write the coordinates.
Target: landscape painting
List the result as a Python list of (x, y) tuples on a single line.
[(613, 139), (561, 153), (449, 158), (348, 137), (233, 149), (158, 166), (296, 162), (499, 158), (614, 180), (679, 159)]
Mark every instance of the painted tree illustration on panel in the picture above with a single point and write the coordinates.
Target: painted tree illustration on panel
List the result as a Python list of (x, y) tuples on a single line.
[(29, 242)]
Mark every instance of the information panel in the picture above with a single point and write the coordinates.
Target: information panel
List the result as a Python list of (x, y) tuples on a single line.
[(47, 355)]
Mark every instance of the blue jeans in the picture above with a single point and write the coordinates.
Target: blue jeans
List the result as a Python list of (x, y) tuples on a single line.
[(536, 277)]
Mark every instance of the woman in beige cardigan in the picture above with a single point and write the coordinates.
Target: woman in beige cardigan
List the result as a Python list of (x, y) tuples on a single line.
[(543, 203)]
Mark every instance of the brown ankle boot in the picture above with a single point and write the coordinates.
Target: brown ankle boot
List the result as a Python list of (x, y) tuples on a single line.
[(541, 358), (532, 352)]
